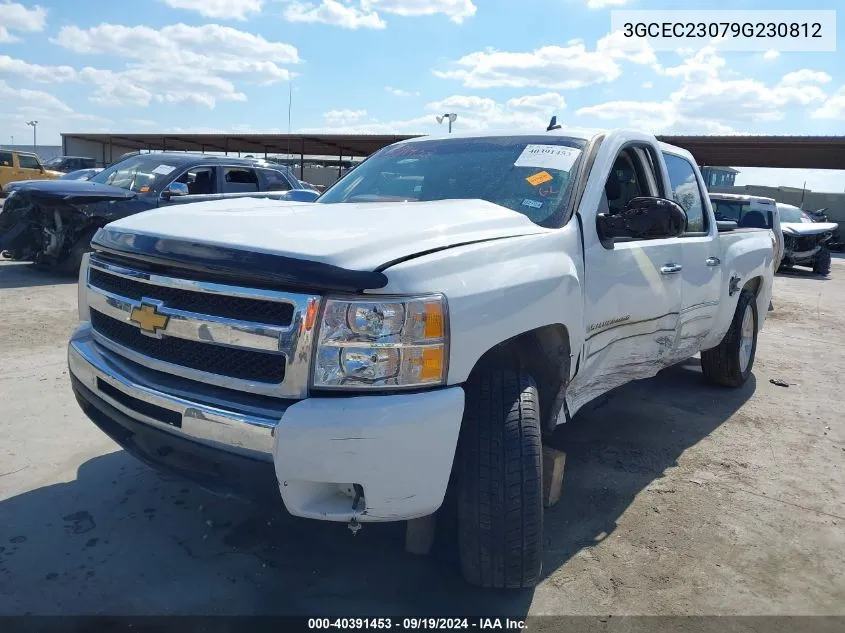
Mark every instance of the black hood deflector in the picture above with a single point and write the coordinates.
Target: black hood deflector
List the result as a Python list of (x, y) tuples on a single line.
[(231, 265)]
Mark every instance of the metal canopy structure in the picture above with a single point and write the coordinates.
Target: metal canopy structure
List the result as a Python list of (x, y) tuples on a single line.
[(350, 145), (810, 152), (807, 152)]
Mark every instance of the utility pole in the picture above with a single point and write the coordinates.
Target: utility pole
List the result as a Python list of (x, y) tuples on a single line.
[(34, 125)]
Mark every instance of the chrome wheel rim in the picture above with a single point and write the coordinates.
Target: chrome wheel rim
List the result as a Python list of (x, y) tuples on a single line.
[(746, 341)]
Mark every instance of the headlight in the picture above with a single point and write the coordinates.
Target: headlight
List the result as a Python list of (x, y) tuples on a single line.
[(384, 343), (82, 290)]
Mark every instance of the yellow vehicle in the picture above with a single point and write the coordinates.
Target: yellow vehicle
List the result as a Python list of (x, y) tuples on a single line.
[(16, 166)]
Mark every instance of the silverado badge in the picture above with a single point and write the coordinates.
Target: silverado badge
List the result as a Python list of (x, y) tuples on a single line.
[(148, 318)]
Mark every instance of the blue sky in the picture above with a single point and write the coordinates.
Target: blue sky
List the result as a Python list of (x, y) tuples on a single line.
[(385, 66)]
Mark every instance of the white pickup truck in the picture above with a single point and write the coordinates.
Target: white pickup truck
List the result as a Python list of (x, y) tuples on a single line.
[(423, 325)]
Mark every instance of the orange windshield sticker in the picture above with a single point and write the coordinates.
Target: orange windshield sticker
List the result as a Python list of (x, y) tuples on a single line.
[(144, 189), (539, 178)]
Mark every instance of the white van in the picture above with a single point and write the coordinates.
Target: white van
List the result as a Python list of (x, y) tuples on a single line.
[(750, 212)]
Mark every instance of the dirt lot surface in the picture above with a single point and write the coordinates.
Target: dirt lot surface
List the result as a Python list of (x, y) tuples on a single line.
[(678, 498)]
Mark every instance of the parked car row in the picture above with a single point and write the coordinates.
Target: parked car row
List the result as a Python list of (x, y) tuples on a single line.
[(52, 222)]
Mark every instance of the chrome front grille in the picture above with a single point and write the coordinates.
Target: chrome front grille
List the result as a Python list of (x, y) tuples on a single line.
[(249, 339)]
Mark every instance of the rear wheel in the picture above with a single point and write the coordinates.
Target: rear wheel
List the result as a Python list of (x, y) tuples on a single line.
[(729, 364), (822, 264), (499, 481)]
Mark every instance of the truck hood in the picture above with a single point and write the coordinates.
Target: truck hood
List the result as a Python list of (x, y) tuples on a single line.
[(70, 190), (807, 228), (358, 236)]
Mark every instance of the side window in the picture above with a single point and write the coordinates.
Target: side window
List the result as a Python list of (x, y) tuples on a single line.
[(272, 180), (627, 180), (686, 192), (239, 180), (28, 162), (200, 181), (6, 159)]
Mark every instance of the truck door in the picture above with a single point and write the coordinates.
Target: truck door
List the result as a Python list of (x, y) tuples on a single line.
[(701, 255), (632, 288), (30, 167)]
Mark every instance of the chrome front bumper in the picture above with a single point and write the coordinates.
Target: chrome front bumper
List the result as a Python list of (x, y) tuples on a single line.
[(235, 423)]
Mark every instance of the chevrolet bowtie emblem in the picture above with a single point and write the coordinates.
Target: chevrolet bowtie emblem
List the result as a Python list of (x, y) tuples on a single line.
[(148, 318)]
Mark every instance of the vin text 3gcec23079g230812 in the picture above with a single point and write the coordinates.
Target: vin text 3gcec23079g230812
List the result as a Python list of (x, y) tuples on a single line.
[(423, 325)]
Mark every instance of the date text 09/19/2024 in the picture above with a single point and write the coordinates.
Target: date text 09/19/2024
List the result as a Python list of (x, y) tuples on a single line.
[(413, 624)]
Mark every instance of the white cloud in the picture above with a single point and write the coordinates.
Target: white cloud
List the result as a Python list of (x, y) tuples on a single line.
[(706, 102), (550, 102), (648, 85), (39, 98), (772, 54), (19, 105), (178, 63), (17, 17), (399, 92), (343, 117), (455, 10), (833, 108), (804, 76), (221, 9), (601, 4), (482, 113), (35, 72), (143, 122), (617, 46), (557, 67), (334, 13)]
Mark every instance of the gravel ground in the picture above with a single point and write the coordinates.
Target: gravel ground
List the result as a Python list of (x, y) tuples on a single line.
[(678, 498)]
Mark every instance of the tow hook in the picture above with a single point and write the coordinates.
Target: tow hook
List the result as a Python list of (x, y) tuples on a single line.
[(354, 526)]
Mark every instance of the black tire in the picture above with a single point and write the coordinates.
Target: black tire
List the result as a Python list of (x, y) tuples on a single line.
[(822, 264), (722, 365), (499, 481), (70, 264)]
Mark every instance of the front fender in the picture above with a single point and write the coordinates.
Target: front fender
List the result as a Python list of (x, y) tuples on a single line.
[(499, 289)]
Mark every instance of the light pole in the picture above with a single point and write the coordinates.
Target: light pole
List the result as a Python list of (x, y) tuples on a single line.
[(450, 116), (34, 125)]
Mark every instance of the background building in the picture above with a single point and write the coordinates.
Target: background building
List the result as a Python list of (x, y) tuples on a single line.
[(719, 176)]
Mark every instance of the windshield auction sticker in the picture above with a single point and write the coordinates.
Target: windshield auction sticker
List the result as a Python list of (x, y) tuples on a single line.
[(557, 157), (163, 169)]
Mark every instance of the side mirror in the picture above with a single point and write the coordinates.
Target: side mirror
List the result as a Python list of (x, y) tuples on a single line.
[(644, 218), (725, 226), (174, 190)]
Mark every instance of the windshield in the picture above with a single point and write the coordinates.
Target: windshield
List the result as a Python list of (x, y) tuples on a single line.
[(138, 173), (793, 214), (528, 174), (54, 162)]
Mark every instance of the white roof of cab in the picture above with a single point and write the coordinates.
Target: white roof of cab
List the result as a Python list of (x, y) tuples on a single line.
[(740, 196)]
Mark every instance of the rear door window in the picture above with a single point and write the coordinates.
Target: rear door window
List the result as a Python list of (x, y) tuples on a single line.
[(6, 159), (239, 180), (28, 162)]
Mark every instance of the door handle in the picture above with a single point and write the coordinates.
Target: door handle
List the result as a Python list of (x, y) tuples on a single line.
[(712, 261), (670, 269)]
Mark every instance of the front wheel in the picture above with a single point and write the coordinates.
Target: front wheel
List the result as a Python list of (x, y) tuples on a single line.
[(822, 264), (499, 481), (729, 364)]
